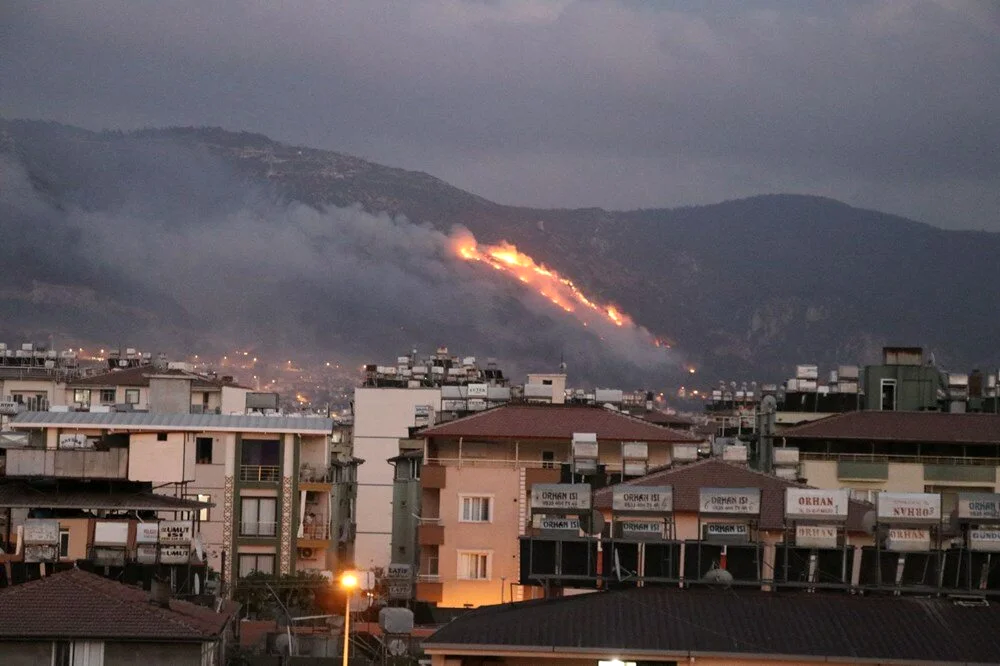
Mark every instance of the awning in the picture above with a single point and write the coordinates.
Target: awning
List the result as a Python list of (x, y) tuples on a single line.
[(23, 496)]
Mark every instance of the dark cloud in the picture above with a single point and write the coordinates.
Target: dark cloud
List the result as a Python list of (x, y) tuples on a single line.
[(891, 105)]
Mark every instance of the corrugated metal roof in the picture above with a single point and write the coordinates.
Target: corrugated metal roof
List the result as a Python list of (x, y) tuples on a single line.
[(24, 496), (192, 422), (931, 427)]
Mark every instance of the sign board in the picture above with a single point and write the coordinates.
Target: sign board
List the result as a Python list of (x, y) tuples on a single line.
[(41, 553), (729, 500), (398, 572), (170, 554), (635, 450), (147, 532), (639, 529), (556, 524), (111, 533), (9, 408), (985, 540), (476, 390), (585, 449), (400, 589), (145, 553), (810, 504), (979, 506), (726, 532), (560, 497), (643, 499), (72, 441), (176, 531), (909, 508), (39, 531), (816, 536), (908, 540), (108, 557)]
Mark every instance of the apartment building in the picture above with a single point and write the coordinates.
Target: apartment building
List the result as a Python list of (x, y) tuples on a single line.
[(477, 474), (271, 480)]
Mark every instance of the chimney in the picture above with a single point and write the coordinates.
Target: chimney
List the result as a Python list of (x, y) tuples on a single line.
[(159, 593)]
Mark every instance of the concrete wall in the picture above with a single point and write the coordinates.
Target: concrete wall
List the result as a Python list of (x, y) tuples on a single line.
[(161, 462), (902, 477), (169, 395), (381, 418), (234, 400), (34, 653)]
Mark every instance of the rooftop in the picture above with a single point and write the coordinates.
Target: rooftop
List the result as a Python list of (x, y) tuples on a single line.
[(139, 376), (313, 425), (77, 604), (17, 494), (687, 480), (555, 422), (931, 427), (666, 621)]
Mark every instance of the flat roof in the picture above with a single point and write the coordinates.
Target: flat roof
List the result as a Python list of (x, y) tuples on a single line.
[(313, 425), (20, 495)]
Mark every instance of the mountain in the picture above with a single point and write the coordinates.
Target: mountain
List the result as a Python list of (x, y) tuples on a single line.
[(177, 234)]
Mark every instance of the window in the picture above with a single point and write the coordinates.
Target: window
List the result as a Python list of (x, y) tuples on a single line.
[(202, 513), (78, 653), (546, 382), (132, 396), (203, 450), (256, 564), (107, 396), (888, 395), (548, 459), (81, 396), (476, 509), (257, 516), (474, 565), (63, 543), (161, 436)]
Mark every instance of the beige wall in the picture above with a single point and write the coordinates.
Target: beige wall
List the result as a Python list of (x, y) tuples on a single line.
[(233, 400), (529, 452), (79, 535), (161, 462), (903, 477), (315, 451)]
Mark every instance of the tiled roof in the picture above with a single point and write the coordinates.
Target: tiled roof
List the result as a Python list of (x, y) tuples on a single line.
[(641, 623), (935, 427), (670, 420), (555, 422), (22, 495), (77, 604), (187, 422), (139, 376), (687, 480)]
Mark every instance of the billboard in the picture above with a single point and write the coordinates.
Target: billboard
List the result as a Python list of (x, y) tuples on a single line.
[(174, 554), (908, 540), (41, 531), (640, 529), (909, 508), (147, 532), (41, 552), (556, 524), (816, 536), (984, 540), (811, 504), (726, 532), (176, 531), (744, 501), (398, 572), (648, 499), (560, 497), (110, 533), (979, 506)]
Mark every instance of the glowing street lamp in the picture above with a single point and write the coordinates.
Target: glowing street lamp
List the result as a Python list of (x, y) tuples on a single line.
[(349, 581)]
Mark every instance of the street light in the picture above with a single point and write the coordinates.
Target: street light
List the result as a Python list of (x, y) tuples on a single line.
[(348, 582)]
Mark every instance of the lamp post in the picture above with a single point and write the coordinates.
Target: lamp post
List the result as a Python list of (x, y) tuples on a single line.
[(348, 582)]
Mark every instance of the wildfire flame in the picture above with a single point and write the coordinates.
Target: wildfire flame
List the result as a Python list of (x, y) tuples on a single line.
[(560, 290)]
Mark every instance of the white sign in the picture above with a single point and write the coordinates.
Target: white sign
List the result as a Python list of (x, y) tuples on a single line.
[(585, 449), (38, 531), (400, 589), (41, 553), (398, 572), (73, 441), (903, 508), (108, 557), (9, 408), (809, 504), (567, 497), (476, 390), (635, 450), (147, 532), (985, 540), (908, 540), (658, 499), (730, 500), (175, 554), (557, 524), (816, 536), (176, 531), (738, 532), (110, 533), (145, 554), (978, 506), (640, 528)]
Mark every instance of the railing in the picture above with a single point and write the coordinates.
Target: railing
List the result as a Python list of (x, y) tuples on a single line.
[(423, 520), (317, 474), (316, 531), (258, 529), (264, 473), (505, 463), (68, 463), (886, 458)]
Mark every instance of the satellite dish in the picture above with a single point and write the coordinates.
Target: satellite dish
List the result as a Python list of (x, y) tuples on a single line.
[(868, 522), (592, 524), (285, 644), (197, 584), (396, 647), (718, 577)]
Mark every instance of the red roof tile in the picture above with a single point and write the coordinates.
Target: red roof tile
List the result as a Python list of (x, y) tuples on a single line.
[(556, 422), (936, 427), (687, 480), (77, 604), (139, 376)]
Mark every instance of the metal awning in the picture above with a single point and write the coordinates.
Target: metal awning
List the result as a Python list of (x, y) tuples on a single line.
[(24, 496)]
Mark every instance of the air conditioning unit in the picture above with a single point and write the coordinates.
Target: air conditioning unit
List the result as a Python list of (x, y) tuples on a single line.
[(306, 553)]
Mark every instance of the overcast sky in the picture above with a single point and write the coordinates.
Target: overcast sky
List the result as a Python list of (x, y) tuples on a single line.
[(887, 105)]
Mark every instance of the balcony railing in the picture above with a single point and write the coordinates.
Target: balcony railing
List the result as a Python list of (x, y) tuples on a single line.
[(263, 473), (317, 474), (319, 531), (258, 529), (884, 458), (68, 463)]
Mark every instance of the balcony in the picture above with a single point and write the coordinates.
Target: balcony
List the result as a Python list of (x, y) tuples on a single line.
[(317, 478), (432, 477), (430, 533), (260, 473), (68, 463)]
